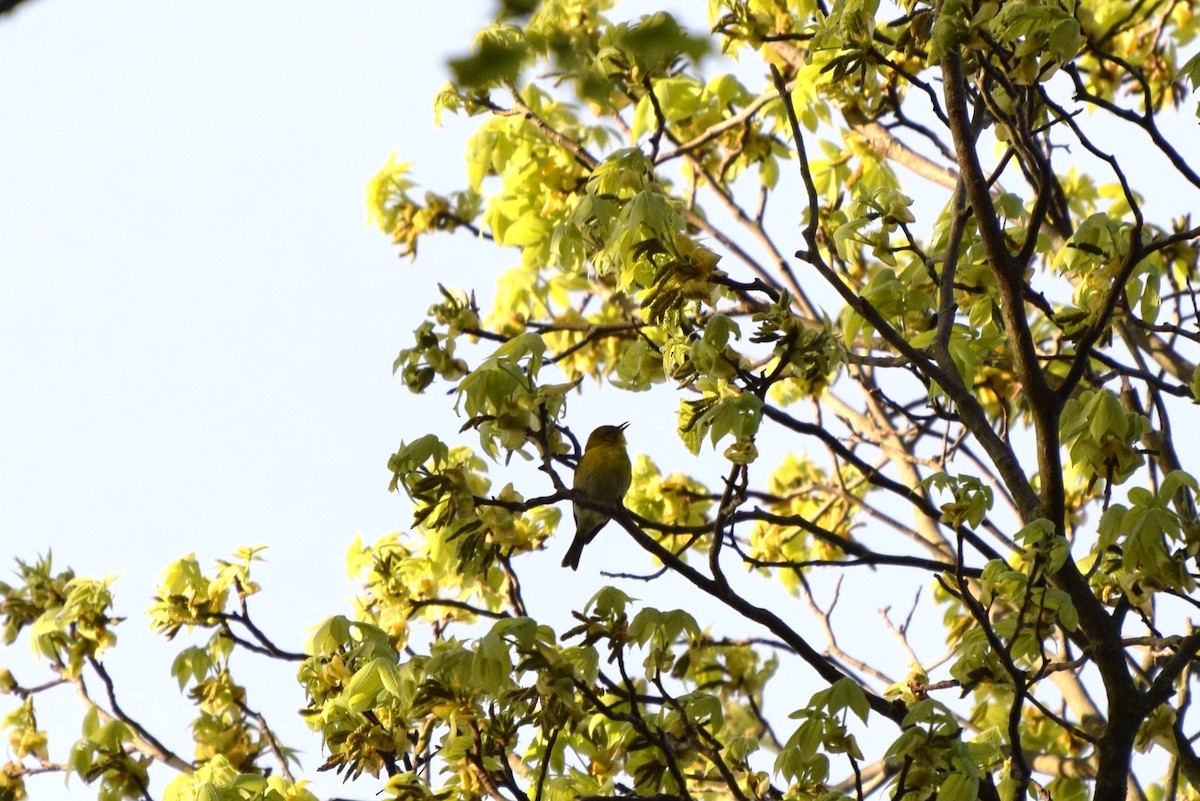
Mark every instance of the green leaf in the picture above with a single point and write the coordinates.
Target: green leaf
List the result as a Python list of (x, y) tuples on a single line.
[(958, 786), (499, 54), (1190, 71), (363, 690)]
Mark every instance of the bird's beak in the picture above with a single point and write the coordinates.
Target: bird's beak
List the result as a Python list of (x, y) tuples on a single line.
[(623, 426)]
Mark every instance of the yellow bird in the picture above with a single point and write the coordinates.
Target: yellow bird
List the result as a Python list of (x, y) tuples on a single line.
[(603, 475)]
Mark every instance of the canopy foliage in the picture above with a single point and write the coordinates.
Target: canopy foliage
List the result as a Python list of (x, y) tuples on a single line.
[(920, 280)]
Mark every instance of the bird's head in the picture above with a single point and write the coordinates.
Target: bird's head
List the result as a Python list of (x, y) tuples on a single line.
[(608, 435)]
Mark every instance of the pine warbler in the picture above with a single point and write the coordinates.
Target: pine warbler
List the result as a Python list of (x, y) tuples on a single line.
[(603, 475)]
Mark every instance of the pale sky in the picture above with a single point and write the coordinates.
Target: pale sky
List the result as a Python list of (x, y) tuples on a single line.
[(196, 327)]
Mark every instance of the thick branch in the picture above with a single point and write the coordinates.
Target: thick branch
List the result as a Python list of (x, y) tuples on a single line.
[(1009, 277)]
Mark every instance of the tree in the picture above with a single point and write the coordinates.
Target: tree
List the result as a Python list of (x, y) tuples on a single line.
[(990, 412)]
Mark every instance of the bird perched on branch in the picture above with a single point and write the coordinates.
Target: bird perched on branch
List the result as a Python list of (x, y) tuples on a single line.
[(603, 475)]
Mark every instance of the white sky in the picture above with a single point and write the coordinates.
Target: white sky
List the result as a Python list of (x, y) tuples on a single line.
[(196, 327), (191, 298)]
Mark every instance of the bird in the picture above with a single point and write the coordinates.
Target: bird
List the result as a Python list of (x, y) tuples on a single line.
[(603, 475)]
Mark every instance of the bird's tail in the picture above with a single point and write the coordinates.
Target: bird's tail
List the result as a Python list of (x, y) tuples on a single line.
[(574, 553)]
